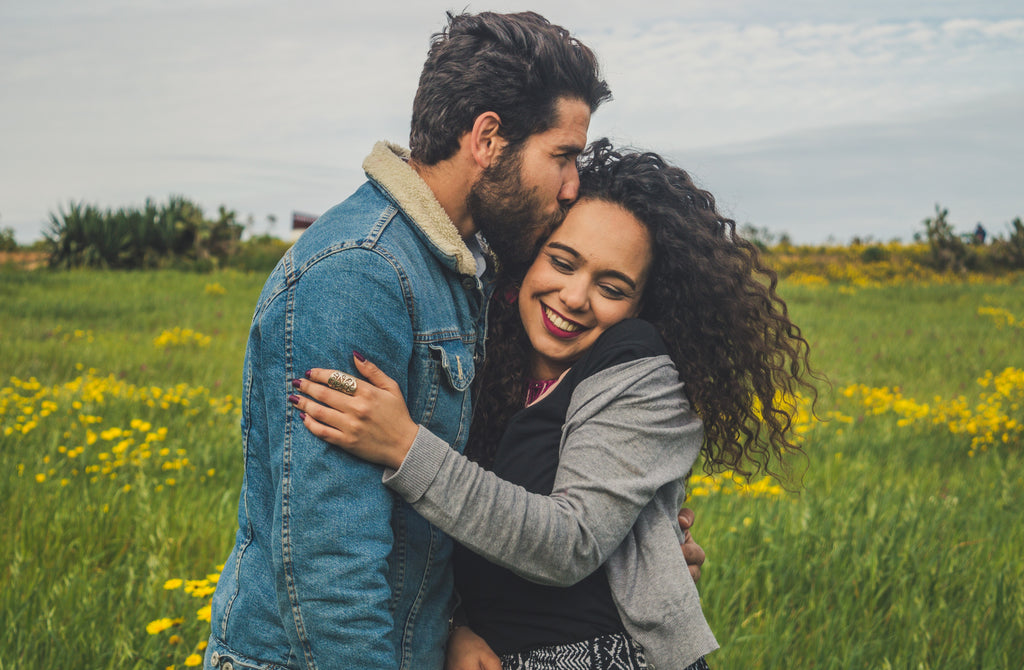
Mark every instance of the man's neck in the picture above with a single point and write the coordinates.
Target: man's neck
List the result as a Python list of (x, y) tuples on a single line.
[(450, 187)]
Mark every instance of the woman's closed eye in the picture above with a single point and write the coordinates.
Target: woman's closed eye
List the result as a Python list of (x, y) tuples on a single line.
[(561, 264), (614, 292)]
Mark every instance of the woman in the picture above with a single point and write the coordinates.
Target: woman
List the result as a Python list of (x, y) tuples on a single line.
[(579, 408)]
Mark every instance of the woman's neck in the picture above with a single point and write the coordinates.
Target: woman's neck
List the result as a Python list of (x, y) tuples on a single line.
[(541, 369)]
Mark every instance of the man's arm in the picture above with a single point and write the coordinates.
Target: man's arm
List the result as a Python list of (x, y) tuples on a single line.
[(335, 515)]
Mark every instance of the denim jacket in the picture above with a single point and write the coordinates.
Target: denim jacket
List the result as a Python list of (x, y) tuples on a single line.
[(329, 568)]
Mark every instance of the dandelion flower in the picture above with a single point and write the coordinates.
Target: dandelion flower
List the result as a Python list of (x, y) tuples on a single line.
[(159, 626)]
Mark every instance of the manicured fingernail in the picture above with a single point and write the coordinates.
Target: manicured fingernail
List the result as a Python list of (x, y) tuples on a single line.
[(362, 359), (296, 383), (293, 399), (302, 415), (308, 372)]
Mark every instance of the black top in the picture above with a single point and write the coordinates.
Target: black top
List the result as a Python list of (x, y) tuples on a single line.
[(509, 612)]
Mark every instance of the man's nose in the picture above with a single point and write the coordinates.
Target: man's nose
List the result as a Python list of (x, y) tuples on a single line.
[(570, 188)]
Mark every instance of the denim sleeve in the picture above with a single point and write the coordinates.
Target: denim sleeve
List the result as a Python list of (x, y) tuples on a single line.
[(335, 515), (629, 431)]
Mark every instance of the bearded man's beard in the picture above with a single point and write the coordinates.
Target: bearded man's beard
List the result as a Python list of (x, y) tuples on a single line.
[(509, 215)]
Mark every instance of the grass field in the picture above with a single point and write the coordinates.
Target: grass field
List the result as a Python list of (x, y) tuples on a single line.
[(119, 476)]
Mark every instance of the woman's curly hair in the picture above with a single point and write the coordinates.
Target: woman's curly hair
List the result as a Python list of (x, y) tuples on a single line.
[(712, 299)]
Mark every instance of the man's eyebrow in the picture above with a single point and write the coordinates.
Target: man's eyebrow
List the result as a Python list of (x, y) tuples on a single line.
[(569, 149)]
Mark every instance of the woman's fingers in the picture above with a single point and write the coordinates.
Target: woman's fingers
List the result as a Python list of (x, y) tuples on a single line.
[(324, 432), (352, 405), (322, 378), (323, 422), (371, 422), (375, 375)]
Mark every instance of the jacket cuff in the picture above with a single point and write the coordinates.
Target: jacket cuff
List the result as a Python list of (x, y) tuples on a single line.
[(420, 467)]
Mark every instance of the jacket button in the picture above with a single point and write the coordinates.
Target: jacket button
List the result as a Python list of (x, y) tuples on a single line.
[(214, 659), (227, 666), (469, 283)]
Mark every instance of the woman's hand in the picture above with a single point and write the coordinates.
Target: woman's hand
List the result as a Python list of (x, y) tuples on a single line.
[(468, 651), (372, 423)]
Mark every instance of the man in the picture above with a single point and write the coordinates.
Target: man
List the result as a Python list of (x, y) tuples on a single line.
[(328, 568)]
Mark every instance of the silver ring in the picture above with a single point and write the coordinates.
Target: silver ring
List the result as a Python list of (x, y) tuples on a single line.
[(339, 381)]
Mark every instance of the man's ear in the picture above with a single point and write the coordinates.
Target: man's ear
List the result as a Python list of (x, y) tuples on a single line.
[(485, 142)]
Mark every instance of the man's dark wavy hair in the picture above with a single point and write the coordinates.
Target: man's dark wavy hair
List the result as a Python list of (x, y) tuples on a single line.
[(712, 299), (516, 65)]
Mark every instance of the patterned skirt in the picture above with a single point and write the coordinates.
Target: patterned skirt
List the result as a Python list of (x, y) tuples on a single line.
[(616, 651)]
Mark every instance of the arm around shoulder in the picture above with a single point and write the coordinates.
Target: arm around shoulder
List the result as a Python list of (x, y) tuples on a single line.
[(618, 449)]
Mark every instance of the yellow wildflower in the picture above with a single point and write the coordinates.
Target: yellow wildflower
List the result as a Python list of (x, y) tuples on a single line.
[(160, 625)]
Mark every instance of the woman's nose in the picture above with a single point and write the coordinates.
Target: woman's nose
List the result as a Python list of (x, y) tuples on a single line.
[(574, 296)]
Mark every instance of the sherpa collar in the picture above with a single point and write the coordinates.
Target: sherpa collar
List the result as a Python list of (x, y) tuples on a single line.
[(387, 165)]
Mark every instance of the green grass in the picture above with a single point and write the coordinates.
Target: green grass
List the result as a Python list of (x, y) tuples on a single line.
[(900, 551)]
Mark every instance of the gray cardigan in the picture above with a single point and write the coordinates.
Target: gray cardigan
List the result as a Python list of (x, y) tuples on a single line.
[(628, 441)]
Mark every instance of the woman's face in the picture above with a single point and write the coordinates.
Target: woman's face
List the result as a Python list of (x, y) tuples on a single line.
[(588, 276)]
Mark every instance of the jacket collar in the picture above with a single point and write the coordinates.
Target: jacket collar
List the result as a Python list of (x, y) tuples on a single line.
[(387, 165)]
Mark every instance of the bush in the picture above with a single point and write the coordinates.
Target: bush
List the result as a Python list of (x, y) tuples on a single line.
[(874, 254), (151, 237), (1010, 252), (7, 241), (259, 254), (948, 251)]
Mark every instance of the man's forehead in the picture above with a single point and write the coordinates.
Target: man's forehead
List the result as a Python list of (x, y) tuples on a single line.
[(569, 131)]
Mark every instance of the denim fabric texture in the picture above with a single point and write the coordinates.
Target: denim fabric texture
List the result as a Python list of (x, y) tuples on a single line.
[(329, 568)]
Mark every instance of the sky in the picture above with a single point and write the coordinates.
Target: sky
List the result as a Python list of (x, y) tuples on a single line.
[(822, 120)]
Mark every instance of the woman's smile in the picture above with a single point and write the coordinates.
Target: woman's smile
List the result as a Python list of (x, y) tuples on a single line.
[(558, 325)]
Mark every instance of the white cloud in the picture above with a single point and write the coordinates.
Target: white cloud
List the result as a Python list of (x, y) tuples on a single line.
[(738, 82), (268, 107)]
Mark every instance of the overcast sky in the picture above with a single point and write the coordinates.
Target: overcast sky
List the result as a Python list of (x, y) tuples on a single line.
[(818, 119)]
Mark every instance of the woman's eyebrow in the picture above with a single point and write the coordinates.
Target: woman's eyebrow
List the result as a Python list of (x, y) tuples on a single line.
[(564, 247), (608, 273), (624, 277)]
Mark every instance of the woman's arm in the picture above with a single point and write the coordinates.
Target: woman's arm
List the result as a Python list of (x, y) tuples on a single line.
[(629, 432)]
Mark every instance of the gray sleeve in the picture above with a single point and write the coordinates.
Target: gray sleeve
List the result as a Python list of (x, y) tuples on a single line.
[(629, 432)]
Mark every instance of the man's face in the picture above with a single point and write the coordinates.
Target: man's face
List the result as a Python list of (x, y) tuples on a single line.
[(526, 193)]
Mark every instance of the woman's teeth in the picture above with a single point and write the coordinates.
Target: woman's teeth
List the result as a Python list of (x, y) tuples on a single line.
[(562, 324)]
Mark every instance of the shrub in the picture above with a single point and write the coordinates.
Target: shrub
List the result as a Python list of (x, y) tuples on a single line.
[(175, 234), (7, 241), (948, 251), (259, 254), (1009, 252), (874, 254)]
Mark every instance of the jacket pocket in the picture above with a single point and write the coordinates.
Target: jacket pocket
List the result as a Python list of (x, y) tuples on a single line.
[(456, 361)]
